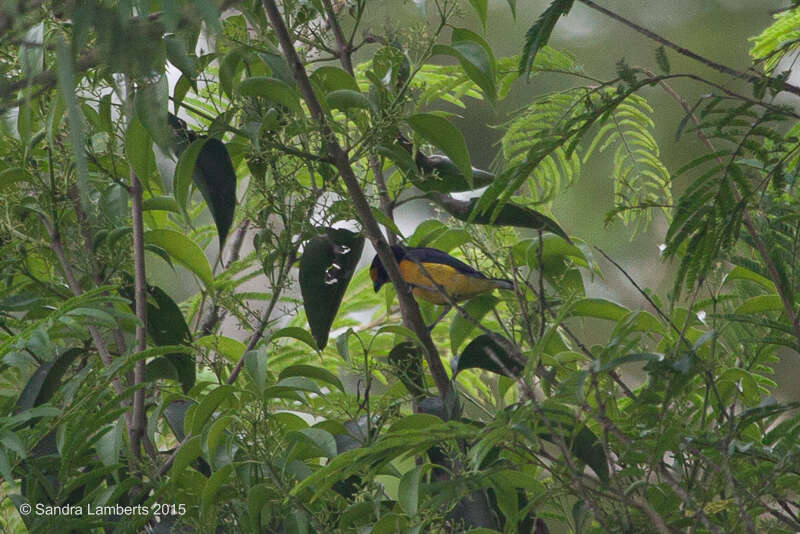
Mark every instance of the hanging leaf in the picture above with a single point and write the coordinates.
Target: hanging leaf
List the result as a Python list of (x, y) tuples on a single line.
[(273, 90), (486, 352), (215, 178), (539, 34), (510, 215), (46, 380), (326, 267), (441, 133), (184, 251), (151, 103), (166, 326), (441, 175)]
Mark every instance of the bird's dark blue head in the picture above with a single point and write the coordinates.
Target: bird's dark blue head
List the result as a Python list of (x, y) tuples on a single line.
[(376, 271)]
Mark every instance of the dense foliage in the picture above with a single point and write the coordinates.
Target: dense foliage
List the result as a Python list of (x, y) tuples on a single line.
[(187, 330)]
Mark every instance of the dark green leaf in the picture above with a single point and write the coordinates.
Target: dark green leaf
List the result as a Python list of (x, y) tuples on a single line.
[(509, 215), (345, 99), (215, 178), (44, 382), (326, 267), (539, 34), (490, 353), (441, 133)]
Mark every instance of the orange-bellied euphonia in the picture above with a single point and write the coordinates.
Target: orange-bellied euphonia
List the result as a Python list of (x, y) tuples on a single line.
[(458, 279)]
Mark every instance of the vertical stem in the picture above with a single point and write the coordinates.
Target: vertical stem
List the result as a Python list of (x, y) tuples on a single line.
[(140, 296)]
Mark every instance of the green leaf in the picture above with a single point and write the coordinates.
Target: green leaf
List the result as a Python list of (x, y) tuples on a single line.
[(151, 103), (386, 221), (345, 99), (255, 362), (184, 251), (320, 441), (215, 177), (45, 381), (539, 34), (740, 273), (326, 267), (212, 487), (408, 491), (332, 78), (231, 348), (441, 133), (184, 172), (66, 86), (167, 326), (160, 203), (599, 308), (294, 332), (509, 215), (189, 451), (442, 176), (208, 405), (761, 303), (176, 53), (257, 498), (273, 90), (312, 371), (481, 8), (487, 353)]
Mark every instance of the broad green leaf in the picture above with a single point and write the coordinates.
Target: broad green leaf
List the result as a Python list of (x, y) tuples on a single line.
[(160, 203), (320, 441), (44, 382), (215, 177), (294, 332), (509, 215), (184, 251), (408, 491), (326, 267), (312, 371), (255, 362), (208, 405), (176, 53), (345, 99), (184, 172), (167, 326), (599, 308), (332, 78), (741, 273), (442, 176), (152, 104), (273, 90), (441, 133), (191, 449), (487, 353), (231, 348), (212, 487), (761, 303), (258, 497)]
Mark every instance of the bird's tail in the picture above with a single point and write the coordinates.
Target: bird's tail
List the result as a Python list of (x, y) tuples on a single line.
[(502, 283)]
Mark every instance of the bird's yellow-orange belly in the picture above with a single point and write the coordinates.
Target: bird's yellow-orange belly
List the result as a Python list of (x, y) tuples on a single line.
[(457, 285)]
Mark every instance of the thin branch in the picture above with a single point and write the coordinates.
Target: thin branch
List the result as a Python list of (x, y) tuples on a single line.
[(752, 78)]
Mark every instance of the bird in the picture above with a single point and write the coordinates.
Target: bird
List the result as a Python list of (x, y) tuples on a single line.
[(431, 273)]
